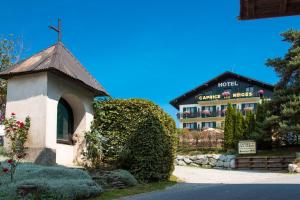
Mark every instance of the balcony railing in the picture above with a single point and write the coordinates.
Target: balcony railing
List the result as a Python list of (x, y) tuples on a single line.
[(207, 114)]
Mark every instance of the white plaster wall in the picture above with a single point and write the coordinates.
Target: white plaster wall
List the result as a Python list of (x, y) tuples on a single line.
[(26, 96), (80, 100), (37, 96)]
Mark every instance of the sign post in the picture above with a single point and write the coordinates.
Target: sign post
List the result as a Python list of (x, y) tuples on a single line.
[(247, 147)]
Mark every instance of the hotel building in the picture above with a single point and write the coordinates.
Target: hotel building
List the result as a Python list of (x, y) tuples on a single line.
[(205, 106)]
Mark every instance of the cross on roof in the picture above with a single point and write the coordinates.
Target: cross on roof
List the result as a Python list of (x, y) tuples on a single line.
[(57, 29)]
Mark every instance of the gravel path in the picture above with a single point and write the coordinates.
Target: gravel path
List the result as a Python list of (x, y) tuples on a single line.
[(213, 184)]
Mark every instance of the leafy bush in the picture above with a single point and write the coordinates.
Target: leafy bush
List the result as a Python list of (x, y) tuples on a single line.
[(137, 129), (52, 182)]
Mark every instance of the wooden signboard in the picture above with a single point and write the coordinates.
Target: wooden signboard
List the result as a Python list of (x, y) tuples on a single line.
[(247, 147), (256, 9)]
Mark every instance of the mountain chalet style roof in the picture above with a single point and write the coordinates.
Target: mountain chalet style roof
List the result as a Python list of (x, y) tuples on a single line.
[(58, 59), (255, 9), (225, 75)]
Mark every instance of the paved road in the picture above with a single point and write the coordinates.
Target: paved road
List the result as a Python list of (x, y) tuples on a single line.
[(211, 184)]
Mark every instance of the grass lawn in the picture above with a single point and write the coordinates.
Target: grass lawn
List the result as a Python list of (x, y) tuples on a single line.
[(141, 188)]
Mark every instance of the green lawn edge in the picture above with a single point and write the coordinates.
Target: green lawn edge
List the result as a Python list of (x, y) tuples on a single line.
[(139, 189)]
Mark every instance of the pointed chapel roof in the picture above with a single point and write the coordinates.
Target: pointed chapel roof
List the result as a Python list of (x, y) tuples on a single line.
[(58, 59)]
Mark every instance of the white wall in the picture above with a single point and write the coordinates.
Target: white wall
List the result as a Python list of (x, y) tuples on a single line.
[(37, 96)]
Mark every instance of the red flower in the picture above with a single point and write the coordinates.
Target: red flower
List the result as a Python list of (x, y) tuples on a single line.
[(5, 170), (13, 114), (10, 161), (21, 124)]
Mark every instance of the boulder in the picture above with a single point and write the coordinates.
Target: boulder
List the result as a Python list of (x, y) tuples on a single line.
[(181, 163), (179, 157), (193, 158), (230, 157), (292, 168), (187, 160), (222, 158), (212, 161), (232, 164), (219, 163), (205, 161), (216, 156), (194, 165), (226, 164), (199, 162), (200, 157)]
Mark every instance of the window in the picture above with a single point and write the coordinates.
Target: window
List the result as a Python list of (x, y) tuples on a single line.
[(250, 89), (190, 125), (65, 122), (209, 124)]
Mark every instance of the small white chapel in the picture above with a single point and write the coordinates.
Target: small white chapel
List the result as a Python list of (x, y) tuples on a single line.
[(56, 92)]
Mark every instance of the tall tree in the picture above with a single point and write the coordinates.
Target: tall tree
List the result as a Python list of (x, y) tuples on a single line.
[(229, 128), (249, 125), (284, 108), (10, 52), (238, 127)]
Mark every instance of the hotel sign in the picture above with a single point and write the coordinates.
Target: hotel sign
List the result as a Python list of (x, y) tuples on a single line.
[(247, 147), (228, 84), (218, 96)]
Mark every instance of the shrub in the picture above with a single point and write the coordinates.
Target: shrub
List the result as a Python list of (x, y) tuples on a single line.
[(114, 179), (149, 152), (17, 133), (125, 122), (52, 182)]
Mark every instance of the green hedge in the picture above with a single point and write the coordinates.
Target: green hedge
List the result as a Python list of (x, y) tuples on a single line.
[(139, 136)]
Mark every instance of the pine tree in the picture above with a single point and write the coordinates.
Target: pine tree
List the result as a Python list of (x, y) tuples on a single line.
[(229, 128), (238, 127), (249, 125), (284, 108)]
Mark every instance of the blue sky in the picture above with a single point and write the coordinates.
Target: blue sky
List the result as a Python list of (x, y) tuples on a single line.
[(153, 49)]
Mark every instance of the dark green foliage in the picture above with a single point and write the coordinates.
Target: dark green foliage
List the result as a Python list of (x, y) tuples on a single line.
[(284, 109), (249, 125), (93, 153), (262, 135), (238, 127), (229, 128), (139, 136)]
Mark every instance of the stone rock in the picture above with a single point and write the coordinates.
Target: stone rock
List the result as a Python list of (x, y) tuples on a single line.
[(199, 162), (216, 156), (292, 168), (207, 166), (232, 164), (226, 164), (222, 158), (179, 157), (193, 158), (230, 157), (194, 165), (219, 163), (187, 160), (181, 163), (212, 161), (205, 161), (199, 157), (298, 170)]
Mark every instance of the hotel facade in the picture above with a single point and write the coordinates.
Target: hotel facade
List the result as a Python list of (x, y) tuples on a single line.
[(205, 106)]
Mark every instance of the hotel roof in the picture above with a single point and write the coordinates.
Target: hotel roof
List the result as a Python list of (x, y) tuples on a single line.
[(58, 59), (256, 9), (176, 102)]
